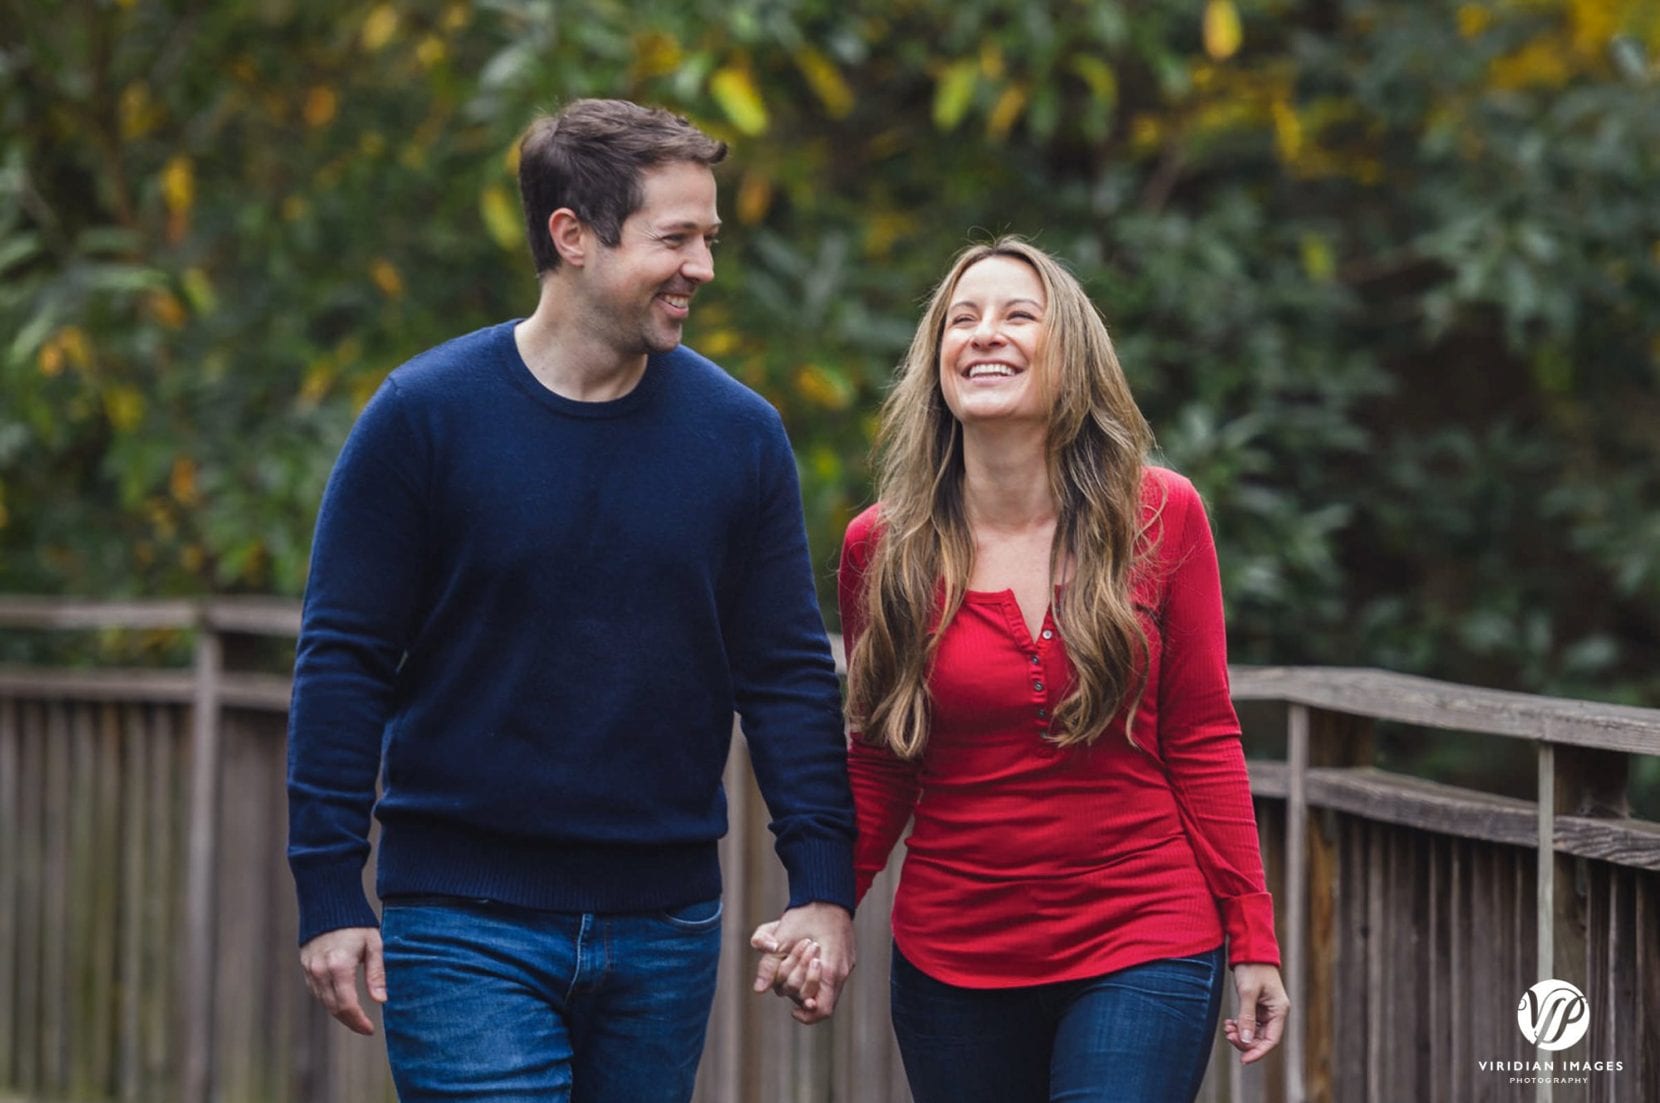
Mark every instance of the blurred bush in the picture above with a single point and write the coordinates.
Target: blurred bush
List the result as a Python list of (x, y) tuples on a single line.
[(1386, 276)]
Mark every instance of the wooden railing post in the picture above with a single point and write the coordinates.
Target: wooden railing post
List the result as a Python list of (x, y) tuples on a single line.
[(1545, 896), (202, 855), (1334, 740), (1573, 781), (1296, 892)]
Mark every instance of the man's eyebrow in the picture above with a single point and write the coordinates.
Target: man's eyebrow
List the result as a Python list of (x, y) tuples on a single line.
[(687, 224)]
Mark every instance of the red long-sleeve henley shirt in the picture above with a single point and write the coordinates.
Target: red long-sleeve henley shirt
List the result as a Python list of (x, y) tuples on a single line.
[(1031, 864)]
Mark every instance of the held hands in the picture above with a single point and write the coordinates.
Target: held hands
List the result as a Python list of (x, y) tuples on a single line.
[(331, 961), (1263, 1006), (806, 954)]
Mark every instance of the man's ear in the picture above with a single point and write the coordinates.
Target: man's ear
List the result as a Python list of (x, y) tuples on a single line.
[(570, 237)]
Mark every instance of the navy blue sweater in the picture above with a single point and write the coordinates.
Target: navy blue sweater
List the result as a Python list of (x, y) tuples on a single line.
[(537, 617)]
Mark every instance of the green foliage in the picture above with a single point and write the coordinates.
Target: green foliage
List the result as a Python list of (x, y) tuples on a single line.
[(1386, 277)]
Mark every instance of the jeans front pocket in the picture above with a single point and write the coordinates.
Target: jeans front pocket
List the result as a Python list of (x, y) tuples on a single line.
[(701, 915)]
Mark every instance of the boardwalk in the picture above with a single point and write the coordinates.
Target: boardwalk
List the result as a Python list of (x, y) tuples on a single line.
[(146, 942)]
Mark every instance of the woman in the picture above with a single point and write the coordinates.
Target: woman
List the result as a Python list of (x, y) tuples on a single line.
[(1037, 673)]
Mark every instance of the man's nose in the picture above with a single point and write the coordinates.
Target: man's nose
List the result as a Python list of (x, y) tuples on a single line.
[(700, 264)]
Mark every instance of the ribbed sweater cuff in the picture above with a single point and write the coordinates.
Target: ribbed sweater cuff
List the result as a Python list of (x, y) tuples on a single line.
[(331, 897), (820, 870), (1249, 923)]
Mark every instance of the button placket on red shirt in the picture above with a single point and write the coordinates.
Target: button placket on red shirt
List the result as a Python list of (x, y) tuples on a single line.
[(1040, 681)]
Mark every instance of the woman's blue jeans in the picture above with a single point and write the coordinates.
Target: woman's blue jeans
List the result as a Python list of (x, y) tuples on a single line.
[(490, 1002), (1140, 1035)]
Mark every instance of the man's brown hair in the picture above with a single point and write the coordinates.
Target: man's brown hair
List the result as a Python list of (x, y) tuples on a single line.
[(591, 157)]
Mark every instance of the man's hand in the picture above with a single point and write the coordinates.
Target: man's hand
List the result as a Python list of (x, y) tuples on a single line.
[(331, 961), (1263, 1006), (806, 954)]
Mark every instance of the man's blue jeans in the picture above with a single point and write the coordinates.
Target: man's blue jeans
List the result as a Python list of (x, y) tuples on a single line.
[(1140, 1035), (491, 1002)]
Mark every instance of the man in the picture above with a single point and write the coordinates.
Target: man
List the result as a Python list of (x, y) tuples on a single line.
[(553, 557)]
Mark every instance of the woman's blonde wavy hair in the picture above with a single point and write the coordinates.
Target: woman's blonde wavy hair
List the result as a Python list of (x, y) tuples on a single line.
[(1097, 445)]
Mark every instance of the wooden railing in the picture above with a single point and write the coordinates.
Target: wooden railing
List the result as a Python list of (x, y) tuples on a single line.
[(147, 928), (1413, 916)]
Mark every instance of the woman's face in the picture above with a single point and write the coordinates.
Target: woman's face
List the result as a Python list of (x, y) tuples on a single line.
[(996, 320)]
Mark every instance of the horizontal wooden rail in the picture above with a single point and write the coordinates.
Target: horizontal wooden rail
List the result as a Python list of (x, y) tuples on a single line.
[(1384, 695), (262, 616), (1384, 797), (263, 692)]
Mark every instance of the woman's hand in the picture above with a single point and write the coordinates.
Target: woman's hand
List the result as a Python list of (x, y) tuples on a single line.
[(1263, 1006), (795, 971)]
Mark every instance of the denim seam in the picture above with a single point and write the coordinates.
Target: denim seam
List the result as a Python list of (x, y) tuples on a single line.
[(576, 968)]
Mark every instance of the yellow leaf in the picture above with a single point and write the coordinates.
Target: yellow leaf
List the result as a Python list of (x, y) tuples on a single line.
[(178, 184), (69, 346), (455, 17), (318, 379), (1540, 63), (386, 277), (76, 345), (363, 389), (826, 81), (825, 464), (294, 208), (161, 518), (124, 406), (51, 359), (379, 27), (1288, 131), (431, 51), (883, 230), (320, 105), (823, 387), (1317, 259), (717, 343), (655, 54), (1222, 30), (501, 217), (1473, 19), (1595, 23), (1006, 111), (734, 89), (181, 483), (1146, 133), (991, 59), (754, 197), (193, 558), (198, 288), (166, 308), (954, 92), (138, 112), (1102, 81)]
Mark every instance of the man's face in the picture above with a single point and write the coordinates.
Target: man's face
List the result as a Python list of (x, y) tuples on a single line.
[(642, 288)]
